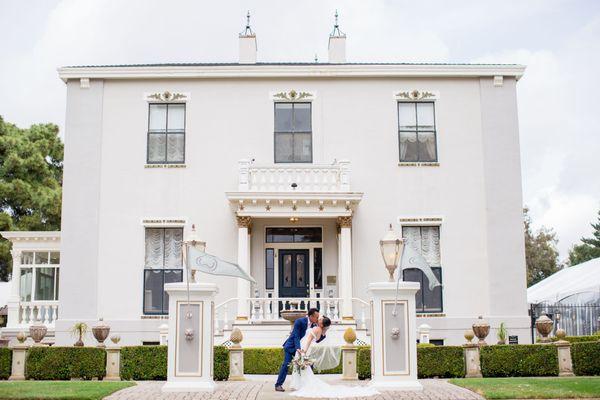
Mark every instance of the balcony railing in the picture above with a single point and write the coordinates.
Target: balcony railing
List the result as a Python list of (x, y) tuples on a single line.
[(45, 312), (289, 178)]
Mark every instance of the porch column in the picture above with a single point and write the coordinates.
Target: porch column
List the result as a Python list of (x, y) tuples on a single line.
[(243, 286), (345, 267), (15, 290)]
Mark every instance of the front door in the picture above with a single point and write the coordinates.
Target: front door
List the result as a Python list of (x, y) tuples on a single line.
[(293, 273)]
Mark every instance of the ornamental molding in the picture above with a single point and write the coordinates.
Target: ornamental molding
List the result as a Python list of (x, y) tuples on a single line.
[(416, 95), (292, 95), (345, 222), (163, 221), (243, 222), (427, 220), (167, 97)]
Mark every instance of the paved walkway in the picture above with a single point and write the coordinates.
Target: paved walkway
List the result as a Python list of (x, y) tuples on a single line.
[(434, 389)]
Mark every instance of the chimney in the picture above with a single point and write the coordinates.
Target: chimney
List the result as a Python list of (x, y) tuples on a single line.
[(337, 44), (247, 44)]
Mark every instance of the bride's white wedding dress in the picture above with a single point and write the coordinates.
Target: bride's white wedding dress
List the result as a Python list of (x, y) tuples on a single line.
[(307, 384)]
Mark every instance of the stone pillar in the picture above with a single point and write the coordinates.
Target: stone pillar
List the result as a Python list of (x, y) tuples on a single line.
[(19, 353), (345, 267), (472, 361), (394, 342), (190, 359), (349, 368), (565, 364), (236, 356), (243, 286), (113, 363), (14, 299), (163, 334)]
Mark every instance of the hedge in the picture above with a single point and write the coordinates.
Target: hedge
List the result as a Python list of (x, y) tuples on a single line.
[(578, 339), (586, 358), (149, 363), (267, 361), (363, 361), (5, 362), (63, 363), (441, 362), (521, 360)]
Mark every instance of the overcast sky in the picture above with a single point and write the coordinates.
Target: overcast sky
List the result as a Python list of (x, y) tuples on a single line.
[(559, 41)]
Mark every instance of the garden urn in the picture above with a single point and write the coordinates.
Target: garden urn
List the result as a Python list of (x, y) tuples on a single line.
[(544, 326), (349, 336), (236, 337), (481, 329), (469, 335), (37, 331), (21, 337), (101, 332)]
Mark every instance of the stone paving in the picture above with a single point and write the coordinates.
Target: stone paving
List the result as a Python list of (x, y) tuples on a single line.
[(433, 389)]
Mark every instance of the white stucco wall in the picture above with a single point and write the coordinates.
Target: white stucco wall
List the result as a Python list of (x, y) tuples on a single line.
[(476, 189)]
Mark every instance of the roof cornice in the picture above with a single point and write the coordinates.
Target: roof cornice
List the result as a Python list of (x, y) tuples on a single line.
[(291, 71), (16, 236)]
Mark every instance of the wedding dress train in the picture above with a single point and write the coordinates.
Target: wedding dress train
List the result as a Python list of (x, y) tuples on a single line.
[(307, 384)]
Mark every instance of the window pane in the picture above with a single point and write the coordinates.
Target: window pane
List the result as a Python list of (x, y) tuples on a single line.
[(158, 117), (302, 147), (283, 117), (157, 147), (432, 299), (406, 116), (287, 270), (173, 239), (44, 283), (408, 146), (25, 284), (306, 235), (284, 147), (41, 257), (27, 257), (55, 257), (270, 269), (318, 268), (175, 147), (176, 120), (415, 275), (170, 277), (427, 146), (430, 245), (56, 283), (425, 117), (153, 291), (302, 121), (280, 235), (155, 250)]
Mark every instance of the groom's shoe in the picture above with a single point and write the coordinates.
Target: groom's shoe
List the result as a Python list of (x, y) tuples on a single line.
[(279, 389)]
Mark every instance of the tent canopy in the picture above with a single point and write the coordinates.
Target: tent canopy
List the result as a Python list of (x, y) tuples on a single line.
[(581, 278)]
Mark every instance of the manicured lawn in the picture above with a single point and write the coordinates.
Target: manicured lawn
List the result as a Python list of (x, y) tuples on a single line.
[(532, 388), (60, 390)]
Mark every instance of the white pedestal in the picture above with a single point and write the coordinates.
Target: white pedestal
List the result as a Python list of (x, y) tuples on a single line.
[(394, 357), (190, 362)]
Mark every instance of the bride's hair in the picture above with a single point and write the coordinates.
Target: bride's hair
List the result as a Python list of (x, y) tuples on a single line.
[(326, 322)]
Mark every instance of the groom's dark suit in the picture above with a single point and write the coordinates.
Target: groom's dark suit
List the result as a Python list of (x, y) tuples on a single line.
[(292, 344)]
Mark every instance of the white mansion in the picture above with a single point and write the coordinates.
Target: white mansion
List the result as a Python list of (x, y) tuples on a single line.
[(293, 171)]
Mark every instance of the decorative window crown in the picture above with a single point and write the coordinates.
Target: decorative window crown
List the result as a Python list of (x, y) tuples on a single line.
[(167, 97), (292, 95), (415, 94)]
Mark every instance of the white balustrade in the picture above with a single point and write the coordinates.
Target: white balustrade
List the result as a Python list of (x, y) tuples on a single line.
[(307, 178), (45, 312)]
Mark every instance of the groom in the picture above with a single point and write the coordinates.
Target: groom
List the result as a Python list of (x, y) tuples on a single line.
[(292, 344)]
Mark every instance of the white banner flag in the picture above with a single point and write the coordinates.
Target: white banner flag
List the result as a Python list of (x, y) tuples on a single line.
[(414, 259), (210, 264)]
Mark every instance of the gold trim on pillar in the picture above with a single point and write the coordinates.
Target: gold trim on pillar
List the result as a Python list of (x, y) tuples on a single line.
[(243, 222), (345, 222)]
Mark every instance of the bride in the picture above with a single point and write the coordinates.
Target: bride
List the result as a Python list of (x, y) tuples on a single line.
[(307, 384)]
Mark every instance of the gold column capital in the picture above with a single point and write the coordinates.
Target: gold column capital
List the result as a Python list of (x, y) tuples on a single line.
[(243, 222), (345, 222)]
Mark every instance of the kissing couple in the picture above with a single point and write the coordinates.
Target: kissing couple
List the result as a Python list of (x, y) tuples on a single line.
[(305, 341)]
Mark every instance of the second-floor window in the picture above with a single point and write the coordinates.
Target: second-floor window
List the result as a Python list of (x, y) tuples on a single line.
[(416, 132), (293, 133), (166, 134)]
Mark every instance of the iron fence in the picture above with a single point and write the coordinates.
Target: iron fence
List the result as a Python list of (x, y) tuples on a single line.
[(575, 319)]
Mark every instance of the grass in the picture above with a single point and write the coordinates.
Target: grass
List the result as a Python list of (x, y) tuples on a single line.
[(60, 390), (533, 388)]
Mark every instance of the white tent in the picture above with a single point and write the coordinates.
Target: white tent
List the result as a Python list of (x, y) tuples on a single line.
[(579, 284)]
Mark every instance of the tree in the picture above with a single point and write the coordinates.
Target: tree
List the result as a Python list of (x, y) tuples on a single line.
[(541, 255), (31, 164), (589, 248)]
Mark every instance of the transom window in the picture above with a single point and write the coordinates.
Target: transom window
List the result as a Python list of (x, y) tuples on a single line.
[(163, 264), (166, 133), (294, 235), (39, 275), (426, 240), (293, 133), (416, 131)]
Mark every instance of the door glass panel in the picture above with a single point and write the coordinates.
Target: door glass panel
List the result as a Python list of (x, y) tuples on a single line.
[(287, 270), (318, 269), (300, 269)]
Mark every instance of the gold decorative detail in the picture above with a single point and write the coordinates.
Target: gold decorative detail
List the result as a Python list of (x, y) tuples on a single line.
[(345, 222), (415, 95), (292, 95), (167, 96), (321, 208), (294, 207), (244, 222), (268, 207), (350, 336)]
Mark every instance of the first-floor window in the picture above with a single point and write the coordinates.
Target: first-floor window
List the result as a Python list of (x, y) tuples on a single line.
[(39, 275), (163, 264), (426, 240)]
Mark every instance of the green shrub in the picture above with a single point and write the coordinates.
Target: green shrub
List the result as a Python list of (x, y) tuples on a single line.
[(262, 360), (578, 339), (220, 363), (144, 363), (441, 362), (586, 358), (519, 360), (363, 362), (63, 363), (5, 362), (422, 345)]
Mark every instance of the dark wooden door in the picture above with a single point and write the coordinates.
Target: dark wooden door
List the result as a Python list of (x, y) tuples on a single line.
[(293, 273)]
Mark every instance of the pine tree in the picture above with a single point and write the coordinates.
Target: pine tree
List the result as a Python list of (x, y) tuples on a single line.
[(589, 248), (541, 255)]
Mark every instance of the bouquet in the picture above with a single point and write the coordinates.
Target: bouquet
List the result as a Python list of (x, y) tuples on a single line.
[(300, 362)]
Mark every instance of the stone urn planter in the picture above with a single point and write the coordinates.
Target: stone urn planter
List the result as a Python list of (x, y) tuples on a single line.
[(101, 332), (469, 335), (544, 326), (236, 337), (481, 329), (115, 339), (293, 313), (349, 336), (37, 331)]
